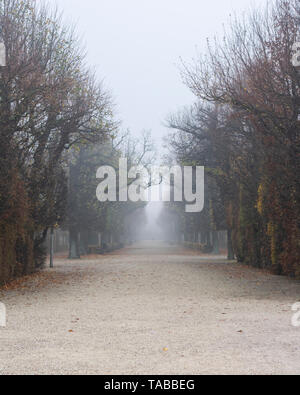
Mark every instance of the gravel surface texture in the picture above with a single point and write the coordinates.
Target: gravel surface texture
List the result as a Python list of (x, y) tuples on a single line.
[(150, 309)]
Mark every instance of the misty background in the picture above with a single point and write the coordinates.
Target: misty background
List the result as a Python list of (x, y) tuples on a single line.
[(136, 46)]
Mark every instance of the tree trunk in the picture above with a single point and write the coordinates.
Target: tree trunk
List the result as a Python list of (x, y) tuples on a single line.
[(74, 252), (230, 245), (208, 239), (84, 243), (216, 243)]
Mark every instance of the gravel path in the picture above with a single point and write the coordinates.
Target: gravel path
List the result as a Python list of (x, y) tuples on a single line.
[(150, 310)]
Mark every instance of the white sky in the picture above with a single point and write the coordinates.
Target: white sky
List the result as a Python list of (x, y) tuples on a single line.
[(135, 46)]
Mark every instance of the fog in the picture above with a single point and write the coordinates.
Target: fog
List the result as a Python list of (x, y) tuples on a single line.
[(152, 229), (136, 45)]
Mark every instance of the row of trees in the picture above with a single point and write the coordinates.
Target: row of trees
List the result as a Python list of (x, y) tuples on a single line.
[(103, 224), (56, 126), (245, 129)]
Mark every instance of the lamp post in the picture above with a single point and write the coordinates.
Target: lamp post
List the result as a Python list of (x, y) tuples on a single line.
[(51, 248)]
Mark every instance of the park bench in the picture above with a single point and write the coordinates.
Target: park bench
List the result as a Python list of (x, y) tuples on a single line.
[(95, 249)]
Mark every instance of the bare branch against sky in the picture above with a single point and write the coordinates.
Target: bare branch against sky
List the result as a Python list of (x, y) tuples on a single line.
[(136, 45)]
